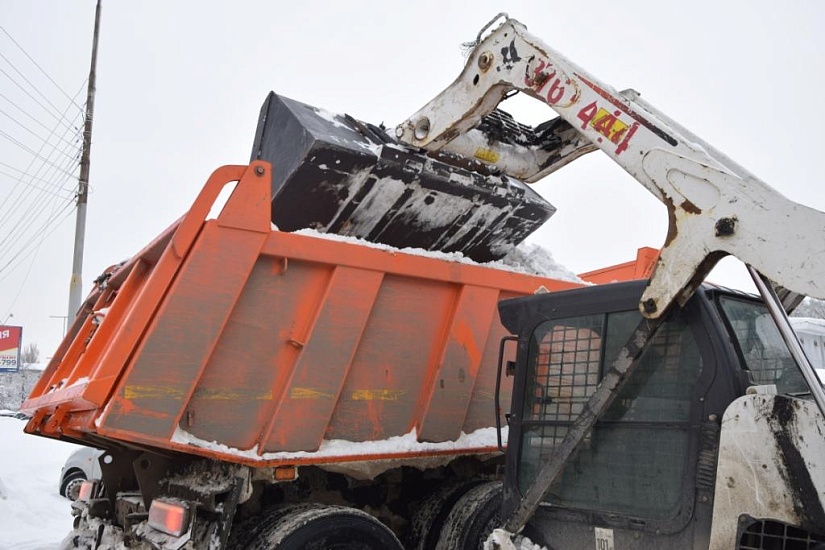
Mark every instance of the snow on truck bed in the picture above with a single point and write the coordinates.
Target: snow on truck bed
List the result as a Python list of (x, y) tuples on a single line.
[(527, 258)]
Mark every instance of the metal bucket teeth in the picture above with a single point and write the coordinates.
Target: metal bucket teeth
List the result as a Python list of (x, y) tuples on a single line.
[(338, 175)]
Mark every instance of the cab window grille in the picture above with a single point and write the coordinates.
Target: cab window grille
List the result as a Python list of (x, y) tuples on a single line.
[(634, 459), (776, 535)]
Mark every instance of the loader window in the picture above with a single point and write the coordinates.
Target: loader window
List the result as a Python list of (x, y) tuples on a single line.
[(634, 460), (761, 347)]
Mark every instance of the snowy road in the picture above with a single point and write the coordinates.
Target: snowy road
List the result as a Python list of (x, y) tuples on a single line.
[(32, 515)]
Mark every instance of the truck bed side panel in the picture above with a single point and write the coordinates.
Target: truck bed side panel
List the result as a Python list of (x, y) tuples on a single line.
[(230, 339)]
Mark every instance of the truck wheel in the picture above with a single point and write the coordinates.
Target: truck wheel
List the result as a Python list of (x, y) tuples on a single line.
[(244, 532), (70, 486), (429, 516), (318, 527), (472, 519)]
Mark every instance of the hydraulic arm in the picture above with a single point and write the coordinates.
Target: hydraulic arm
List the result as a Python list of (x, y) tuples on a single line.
[(715, 207)]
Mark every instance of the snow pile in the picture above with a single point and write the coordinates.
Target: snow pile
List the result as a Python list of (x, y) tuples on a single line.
[(527, 258), (537, 260), (32, 514)]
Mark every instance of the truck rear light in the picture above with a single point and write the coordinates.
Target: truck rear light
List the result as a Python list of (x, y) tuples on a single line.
[(168, 517), (286, 473), (87, 489)]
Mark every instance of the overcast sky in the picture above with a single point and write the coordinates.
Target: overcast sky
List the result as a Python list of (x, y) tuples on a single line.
[(180, 85)]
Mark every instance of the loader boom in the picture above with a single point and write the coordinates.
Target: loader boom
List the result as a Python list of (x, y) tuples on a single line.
[(715, 207)]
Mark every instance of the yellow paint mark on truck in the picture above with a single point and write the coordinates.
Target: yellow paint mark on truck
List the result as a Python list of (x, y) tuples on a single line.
[(216, 394), (309, 393), (377, 395), (151, 392), (226, 394)]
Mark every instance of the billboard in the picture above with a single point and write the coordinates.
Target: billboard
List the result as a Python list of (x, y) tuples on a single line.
[(10, 343)]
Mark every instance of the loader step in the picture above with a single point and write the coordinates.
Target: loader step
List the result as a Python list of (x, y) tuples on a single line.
[(337, 175)]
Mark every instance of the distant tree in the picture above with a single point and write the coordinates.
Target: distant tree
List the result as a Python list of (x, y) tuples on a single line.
[(31, 354)]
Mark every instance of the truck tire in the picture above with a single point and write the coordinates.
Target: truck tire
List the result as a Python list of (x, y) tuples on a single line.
[(430, 514), (244, 532), (319, 527), (70, 486), (472, 519)]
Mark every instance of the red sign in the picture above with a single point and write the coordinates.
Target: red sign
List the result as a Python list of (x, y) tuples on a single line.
[(10, 343)]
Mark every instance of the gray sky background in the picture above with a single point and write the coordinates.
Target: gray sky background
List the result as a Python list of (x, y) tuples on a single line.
[(180, 85)]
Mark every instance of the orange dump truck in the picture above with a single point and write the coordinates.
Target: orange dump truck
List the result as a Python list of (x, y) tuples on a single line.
[(286, 368), (253, 387)]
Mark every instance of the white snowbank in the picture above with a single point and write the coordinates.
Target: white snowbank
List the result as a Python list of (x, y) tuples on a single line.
[(32, 514)]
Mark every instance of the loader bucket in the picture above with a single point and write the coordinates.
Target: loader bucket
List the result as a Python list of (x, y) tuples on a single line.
[(337, 175)]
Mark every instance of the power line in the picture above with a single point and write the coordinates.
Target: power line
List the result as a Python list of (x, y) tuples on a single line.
[(23, 126), (32, 152), (56, 85), (22, 217), (54, 221), (9, 202), (31, 264), (22, 208), (33, 178), (29, 82), (25, 91)]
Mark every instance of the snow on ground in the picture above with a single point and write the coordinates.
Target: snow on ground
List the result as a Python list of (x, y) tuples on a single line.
[(32, 514)]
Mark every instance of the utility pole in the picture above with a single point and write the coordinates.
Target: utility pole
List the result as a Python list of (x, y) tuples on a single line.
[(76, 283)]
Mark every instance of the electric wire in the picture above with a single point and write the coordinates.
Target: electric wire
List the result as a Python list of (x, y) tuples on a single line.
[(26, 250), (26, 148), (56, 85), (16, 178), (27, 216), (58, 118), (15, 196), (37, 203), (24, 208), (31, 265), (21, 124), (56, 173), (29, 82)]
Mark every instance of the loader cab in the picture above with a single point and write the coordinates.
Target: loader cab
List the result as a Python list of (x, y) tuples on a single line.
[(645, 475)]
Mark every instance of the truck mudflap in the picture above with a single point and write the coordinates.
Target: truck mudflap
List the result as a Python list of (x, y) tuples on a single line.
[(341, 176), (228, 339), (769, 491)]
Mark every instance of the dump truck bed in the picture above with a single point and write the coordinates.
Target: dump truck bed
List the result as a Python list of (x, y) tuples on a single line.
[(230, 339)]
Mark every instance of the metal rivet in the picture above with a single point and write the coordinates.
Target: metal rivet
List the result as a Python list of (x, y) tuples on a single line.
[(259, 171), (485, 61)]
